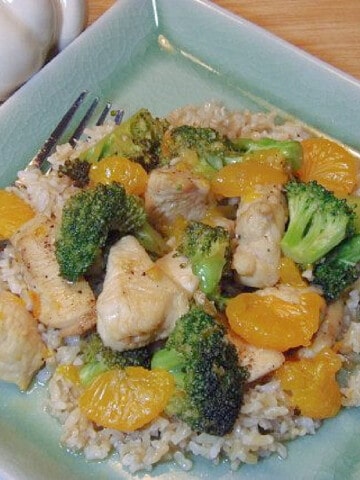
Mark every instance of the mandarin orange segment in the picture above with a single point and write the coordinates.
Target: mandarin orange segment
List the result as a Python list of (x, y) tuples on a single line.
[(268, 321), (127, 399), (329, 164), (259, 168), (290, 273), (120, 169), (14, 212), (312, 385)]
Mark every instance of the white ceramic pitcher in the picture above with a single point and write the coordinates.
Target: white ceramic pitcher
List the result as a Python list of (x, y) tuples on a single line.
[(29, 31)]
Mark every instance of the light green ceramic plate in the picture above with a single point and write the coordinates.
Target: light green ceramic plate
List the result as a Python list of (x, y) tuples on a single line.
[(162, 54)]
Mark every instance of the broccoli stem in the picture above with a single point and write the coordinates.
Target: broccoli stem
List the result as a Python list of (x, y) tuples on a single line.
[(151, 240), (349, 251), (209, 272), (172, 361), (290, 149), (91, 370)]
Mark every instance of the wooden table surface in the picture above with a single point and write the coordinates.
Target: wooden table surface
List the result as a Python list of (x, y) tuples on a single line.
[(328, 29)]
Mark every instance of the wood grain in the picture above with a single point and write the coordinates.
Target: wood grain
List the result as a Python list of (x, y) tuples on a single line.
[(328, 29)]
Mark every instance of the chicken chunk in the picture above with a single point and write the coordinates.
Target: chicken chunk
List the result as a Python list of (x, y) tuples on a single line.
[(258, 361), (260, 225), (139, 303), (69, 307), (178, 268), (22, 350), (172, 192)]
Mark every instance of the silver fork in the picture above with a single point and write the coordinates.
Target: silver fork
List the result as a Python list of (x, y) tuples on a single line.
[(50, 144)]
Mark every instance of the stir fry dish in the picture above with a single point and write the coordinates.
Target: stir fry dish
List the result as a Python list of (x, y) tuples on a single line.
[(186, 285)]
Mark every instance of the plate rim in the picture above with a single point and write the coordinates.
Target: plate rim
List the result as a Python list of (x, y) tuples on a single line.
[(116, 10)]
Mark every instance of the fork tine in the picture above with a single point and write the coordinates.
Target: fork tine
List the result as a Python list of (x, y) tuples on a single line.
[(118, 116), (84, 121), (40, 160), (103, 114), (54, 137)]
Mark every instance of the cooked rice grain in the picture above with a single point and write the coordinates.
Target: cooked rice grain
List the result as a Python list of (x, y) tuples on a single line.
[(265, 423), (237, 123)]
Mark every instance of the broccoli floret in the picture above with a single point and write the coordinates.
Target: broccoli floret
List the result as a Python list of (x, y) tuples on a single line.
[(208, 250), (318, 221), (339, 269), (208, 377), (290, 149), (87, 218), (210, 146), (98, 358), (215, 150), (138, 138), (78, 170)]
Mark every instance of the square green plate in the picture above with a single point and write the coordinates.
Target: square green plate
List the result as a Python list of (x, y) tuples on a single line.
[(162, 54)]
